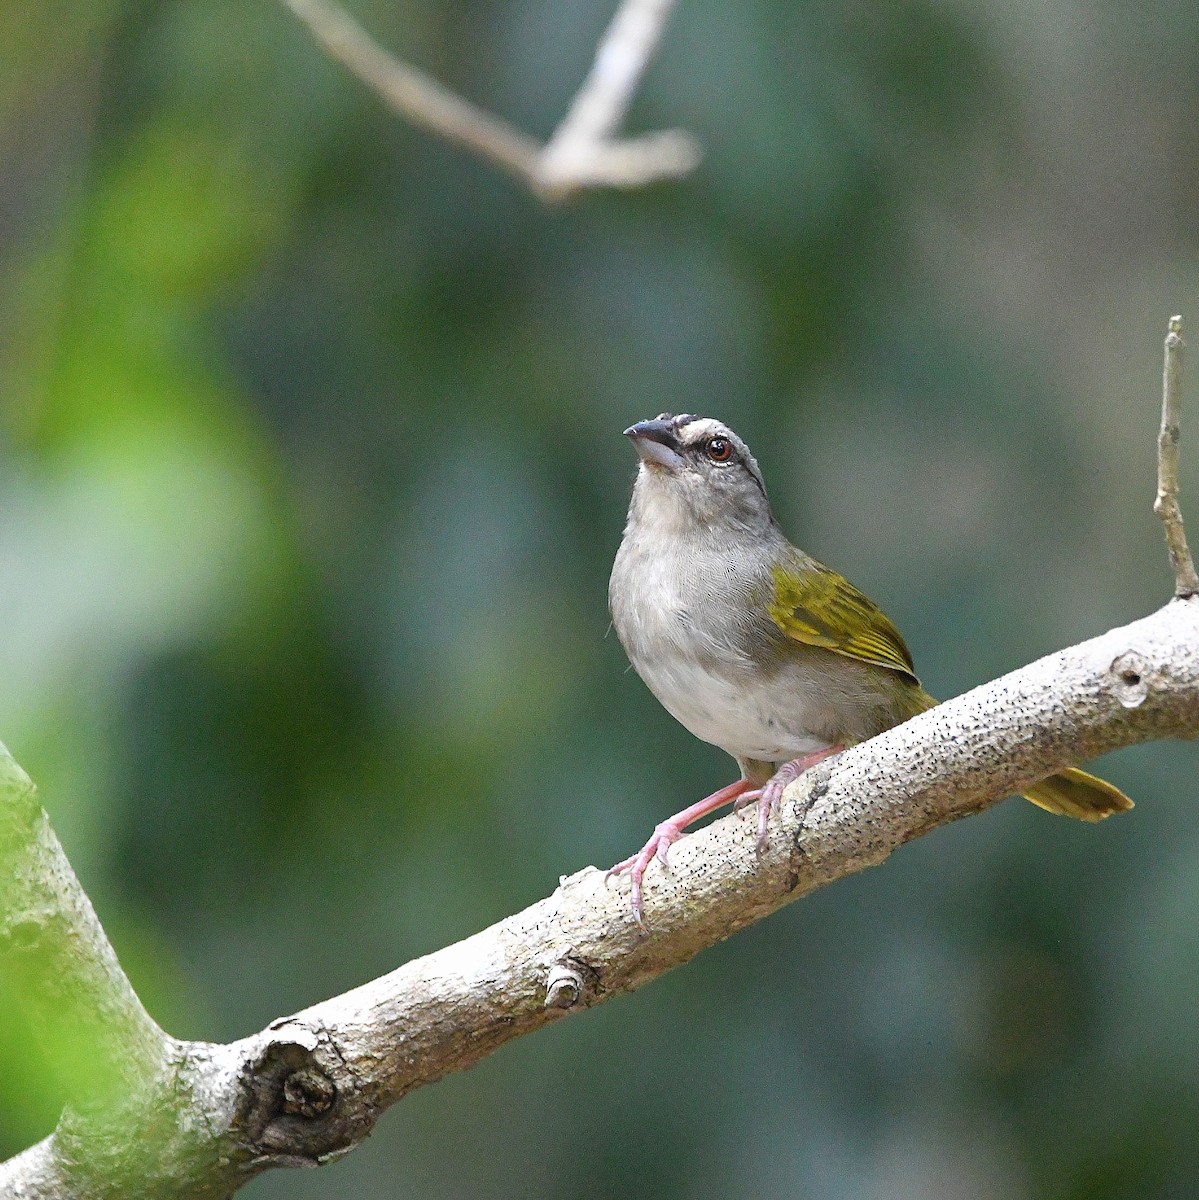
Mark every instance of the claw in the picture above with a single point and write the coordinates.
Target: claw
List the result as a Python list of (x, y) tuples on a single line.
[(770, 798), (746, 799), (657, 846), (665, 835), (742, 793)]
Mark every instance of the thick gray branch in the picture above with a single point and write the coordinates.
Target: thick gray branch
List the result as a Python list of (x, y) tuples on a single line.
[(311, 1086)]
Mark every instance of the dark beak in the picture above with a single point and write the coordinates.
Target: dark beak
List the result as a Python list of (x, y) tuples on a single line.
[(656, 443)]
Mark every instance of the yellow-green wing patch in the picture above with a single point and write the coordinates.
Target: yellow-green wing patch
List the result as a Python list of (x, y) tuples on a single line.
[(817, 606)]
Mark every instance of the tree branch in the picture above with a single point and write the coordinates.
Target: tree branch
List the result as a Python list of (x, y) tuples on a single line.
[(310, 1086), (101, 1042), (585, 151), (1186, 582)]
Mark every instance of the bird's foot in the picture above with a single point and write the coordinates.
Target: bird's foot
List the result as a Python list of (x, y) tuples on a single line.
[(663, 835), (770, 796), (666, 834)]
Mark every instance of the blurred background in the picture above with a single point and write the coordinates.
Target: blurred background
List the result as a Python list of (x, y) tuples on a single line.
[(311, 476)]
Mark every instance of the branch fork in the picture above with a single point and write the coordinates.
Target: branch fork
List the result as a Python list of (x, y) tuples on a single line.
[(585, 151)]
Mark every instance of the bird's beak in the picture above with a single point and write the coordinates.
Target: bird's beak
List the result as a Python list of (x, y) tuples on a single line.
[(656, 444)]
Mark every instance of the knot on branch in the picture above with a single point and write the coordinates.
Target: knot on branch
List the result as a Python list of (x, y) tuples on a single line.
[(20, 933), (1130, 678), (308, 1092), (290, 1108), (570, 982)]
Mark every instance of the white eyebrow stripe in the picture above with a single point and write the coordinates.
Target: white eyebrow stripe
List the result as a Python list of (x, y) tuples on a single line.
[(703, 427)]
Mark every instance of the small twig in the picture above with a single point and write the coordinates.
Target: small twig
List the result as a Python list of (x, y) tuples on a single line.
[(1186, 582), (585, 148), (415, 95), (584, 151)]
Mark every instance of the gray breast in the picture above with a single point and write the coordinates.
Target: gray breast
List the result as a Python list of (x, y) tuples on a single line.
[(696, 630)]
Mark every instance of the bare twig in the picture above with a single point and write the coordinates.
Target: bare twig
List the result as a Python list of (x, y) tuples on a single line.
[(415, 95), (1186, 582), (585, 151), (310, 1087)]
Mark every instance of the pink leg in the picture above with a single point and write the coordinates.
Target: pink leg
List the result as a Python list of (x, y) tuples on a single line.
[(768, 797), (670, 831)]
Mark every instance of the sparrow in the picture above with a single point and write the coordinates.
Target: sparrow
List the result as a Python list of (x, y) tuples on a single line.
[(753, 645)]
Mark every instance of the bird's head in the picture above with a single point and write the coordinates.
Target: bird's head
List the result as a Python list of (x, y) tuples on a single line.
[(696, 470)]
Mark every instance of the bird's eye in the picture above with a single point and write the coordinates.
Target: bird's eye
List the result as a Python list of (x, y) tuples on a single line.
[(719, 449)]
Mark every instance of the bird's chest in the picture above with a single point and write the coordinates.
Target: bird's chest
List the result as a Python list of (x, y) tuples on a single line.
[(696, 634), (669, 610)]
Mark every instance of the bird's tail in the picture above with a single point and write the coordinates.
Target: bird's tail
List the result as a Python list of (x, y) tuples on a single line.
[(1069, 793), (1074, 793)]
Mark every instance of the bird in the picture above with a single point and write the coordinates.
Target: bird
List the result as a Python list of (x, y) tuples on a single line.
[(753, 645)]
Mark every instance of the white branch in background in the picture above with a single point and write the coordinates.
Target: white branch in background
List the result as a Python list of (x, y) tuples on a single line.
[(585, 151)]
